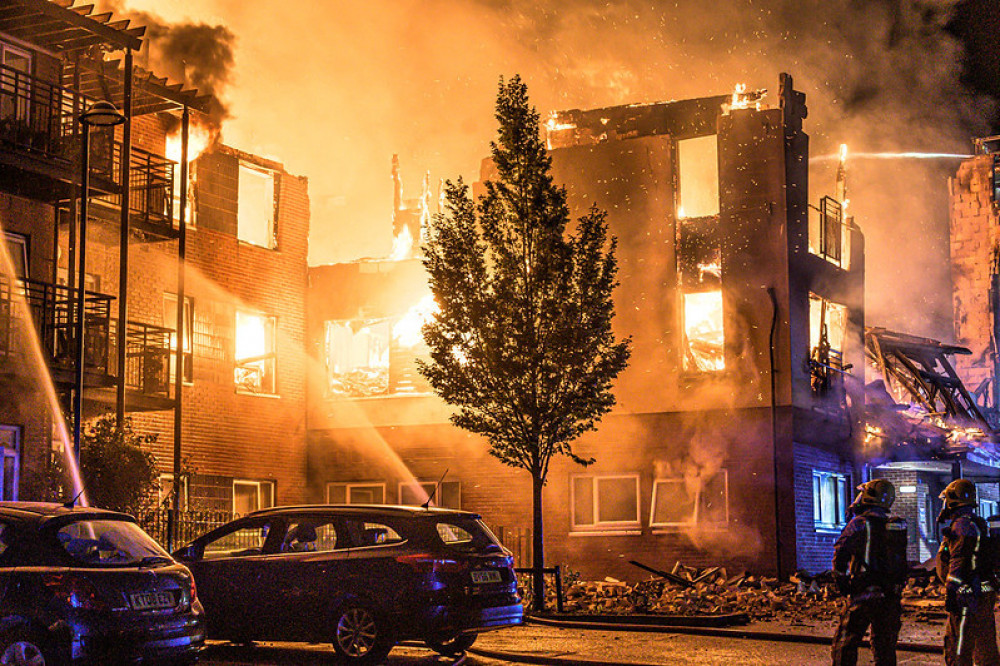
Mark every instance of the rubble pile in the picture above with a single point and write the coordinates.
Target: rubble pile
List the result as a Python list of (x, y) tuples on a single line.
[(688, 591)]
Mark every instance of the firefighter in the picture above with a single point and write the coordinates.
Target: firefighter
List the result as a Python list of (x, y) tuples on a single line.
[(970, 583), (869, 563)]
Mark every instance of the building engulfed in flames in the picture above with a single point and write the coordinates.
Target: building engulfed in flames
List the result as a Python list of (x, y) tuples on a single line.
[(756, 398)]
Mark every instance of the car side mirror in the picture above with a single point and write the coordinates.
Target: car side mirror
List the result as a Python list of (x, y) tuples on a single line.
[(188, 553)]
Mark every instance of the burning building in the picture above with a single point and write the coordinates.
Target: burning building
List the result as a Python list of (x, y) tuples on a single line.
[(732, 439), (237, 229)]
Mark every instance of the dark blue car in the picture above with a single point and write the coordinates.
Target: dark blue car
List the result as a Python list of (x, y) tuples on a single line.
[(82, 585), (360, 577)]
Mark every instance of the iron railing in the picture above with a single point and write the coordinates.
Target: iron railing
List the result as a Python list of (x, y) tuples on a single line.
[(190, 524), (151, 187), (38, 117), (52, 309), (147, 358)]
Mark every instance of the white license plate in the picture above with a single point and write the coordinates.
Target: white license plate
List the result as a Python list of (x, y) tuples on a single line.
[(489, 576), (151, 600)]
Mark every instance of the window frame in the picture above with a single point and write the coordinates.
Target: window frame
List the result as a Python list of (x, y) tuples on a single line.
[(270, 356), (695, 522), (599, 525), (258, 483), (272, 222), (13, 238), (18, 435), (680, 212), (842, 481), (437, 491), (692, 370), (188, 338), (22, 107), (162, 496), (350, 485)]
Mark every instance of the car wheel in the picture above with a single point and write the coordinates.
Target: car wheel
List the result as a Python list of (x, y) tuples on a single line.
[(453, 646), (360, 635), (24, 649)]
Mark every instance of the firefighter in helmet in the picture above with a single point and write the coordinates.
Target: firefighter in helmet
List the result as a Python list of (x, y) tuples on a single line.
[(869, 563), (964, 566)]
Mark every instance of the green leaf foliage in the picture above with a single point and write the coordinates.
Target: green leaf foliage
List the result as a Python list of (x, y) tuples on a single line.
[(523, 344), (118, 472)]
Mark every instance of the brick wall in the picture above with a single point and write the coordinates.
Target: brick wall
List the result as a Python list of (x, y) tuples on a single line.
[(815, 546), (228, 434), (975, 232)]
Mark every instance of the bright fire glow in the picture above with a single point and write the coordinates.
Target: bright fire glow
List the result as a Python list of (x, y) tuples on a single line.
[(402, 245), (553, 124), (703, 331), (199, 138), (407, 331), (251, 336), (843, 153), (873, 434), (740, 98)]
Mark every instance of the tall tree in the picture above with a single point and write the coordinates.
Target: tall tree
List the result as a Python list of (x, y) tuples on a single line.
[(522, 344)]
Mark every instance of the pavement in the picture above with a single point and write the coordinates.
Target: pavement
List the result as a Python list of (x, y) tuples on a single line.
[(802, 644)]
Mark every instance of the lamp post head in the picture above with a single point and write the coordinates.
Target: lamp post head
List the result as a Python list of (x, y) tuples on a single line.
[(102, 114)]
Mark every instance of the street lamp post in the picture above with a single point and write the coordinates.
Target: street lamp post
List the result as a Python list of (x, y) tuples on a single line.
[(98, 114)]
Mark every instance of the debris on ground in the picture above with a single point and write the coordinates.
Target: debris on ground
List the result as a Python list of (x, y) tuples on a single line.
[(717, 591)]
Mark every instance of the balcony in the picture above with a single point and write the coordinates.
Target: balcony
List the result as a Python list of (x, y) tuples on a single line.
[(38, 136), (151, 200), (52, 306)]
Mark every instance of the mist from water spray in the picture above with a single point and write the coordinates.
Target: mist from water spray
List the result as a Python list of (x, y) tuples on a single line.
[(892, 156), (22, 315)]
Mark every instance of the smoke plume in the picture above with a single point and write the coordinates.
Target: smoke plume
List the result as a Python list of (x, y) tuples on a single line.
[(334, 89), (197, 54)]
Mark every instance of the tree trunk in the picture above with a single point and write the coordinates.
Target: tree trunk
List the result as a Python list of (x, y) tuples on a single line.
[(537, 547)]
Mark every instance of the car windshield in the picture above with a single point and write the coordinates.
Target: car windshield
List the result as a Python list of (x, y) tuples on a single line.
[(466, 533), (110, 543)]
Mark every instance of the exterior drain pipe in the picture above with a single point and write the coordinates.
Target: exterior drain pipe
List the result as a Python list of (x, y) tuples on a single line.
[(774, 427)]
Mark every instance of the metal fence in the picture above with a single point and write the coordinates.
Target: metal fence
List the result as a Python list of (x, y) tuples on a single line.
[(517, 540), (190, 524)]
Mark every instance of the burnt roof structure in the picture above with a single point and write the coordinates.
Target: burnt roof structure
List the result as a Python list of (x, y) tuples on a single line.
[(59, 26)]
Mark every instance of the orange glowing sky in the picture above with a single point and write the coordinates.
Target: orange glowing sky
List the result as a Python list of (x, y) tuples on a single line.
[(334, 88)]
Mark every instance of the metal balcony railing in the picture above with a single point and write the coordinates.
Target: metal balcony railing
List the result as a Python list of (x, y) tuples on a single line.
[(52, 307), (151, 186), (38, 118), (148, 347), (147, 359)]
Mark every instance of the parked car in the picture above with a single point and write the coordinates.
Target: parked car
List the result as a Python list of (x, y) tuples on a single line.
[(79, 584), (361, 577)]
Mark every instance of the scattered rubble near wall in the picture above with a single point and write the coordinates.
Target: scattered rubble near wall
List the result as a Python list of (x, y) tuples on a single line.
[(716, 591)]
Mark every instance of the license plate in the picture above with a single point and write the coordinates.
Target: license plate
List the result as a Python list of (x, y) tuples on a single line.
[(489, 576), (151, 600)]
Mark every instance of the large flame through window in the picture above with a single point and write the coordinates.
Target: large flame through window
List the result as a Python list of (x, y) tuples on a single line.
[(377, 356), (704, 337)]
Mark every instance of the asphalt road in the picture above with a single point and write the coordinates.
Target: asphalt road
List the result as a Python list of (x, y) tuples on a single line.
[(550, 645)]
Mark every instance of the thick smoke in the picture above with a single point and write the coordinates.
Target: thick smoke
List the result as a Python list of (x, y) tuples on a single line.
[(335, 89), (197, 54)]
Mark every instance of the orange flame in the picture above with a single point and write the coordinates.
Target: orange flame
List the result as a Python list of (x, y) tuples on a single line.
[(407, 331), (200, 137), (402, 245)]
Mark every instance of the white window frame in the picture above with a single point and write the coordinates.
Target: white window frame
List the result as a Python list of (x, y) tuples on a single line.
[(695, 521), (349, 486), (169, 297), (988, 507), (271, 355), (14, 453), (685, 211), (823, 476), (163, 496), (427, 485), (258, 484), (248, 169), (599, 525), (30, 57), (21, 242)]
